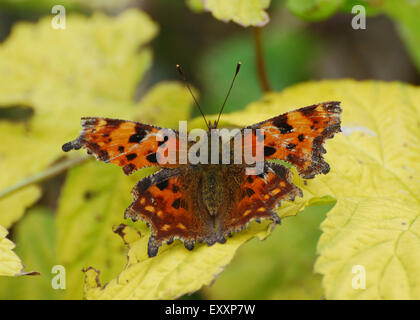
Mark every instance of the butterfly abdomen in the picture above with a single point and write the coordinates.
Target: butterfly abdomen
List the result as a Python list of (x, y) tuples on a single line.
[(210, 189)]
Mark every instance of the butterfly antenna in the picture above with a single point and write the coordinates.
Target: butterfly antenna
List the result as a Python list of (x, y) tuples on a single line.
[(238, 67), (189, 89)]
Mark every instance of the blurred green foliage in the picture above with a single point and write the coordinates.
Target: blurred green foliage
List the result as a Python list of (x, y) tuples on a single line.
[(314, 9), (404, 13), (290, 56)]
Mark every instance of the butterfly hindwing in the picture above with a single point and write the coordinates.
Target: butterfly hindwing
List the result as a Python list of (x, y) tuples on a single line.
[(131, 145), (297, 136), (167, 201), (258, 196)]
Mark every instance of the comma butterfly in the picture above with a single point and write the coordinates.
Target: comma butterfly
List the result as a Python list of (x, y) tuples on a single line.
[(206, 202)]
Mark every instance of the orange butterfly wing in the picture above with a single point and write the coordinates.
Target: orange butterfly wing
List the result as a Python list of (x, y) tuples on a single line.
[(257, 197), (167, 200), (297, 136), (128, 144)]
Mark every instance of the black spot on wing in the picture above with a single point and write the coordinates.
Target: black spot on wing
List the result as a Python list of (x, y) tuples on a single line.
[(308, 111), (163, 185), (115, 123), (166, 138), (131, 156), (281, 123), (176, 203), (268, 151), (151, 157), (139, 135)]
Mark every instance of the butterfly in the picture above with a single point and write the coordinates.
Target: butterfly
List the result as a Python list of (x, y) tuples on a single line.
[(208, 202)]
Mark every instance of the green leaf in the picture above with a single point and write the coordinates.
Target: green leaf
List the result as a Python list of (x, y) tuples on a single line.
[(375, 177), (243, 12), (40, 68), (314, 10)]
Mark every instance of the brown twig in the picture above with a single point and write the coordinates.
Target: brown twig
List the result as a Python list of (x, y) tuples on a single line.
[(259, 57)]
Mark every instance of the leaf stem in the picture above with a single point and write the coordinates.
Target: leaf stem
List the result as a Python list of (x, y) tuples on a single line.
[(259, 57), (44, 175)]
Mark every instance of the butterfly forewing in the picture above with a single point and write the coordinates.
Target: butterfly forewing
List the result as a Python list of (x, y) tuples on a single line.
[(128, 144), (297, 136)]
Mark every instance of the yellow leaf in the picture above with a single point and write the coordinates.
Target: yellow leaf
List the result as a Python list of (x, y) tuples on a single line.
[(34, 235), (92, 201), (10, 263), (375, 177), (173, 272), (13, 207), (243, 12), (41, 68), (110, 68)]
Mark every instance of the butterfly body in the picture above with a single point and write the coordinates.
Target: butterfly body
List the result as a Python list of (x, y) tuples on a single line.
[(213, 192), (207, 201)]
